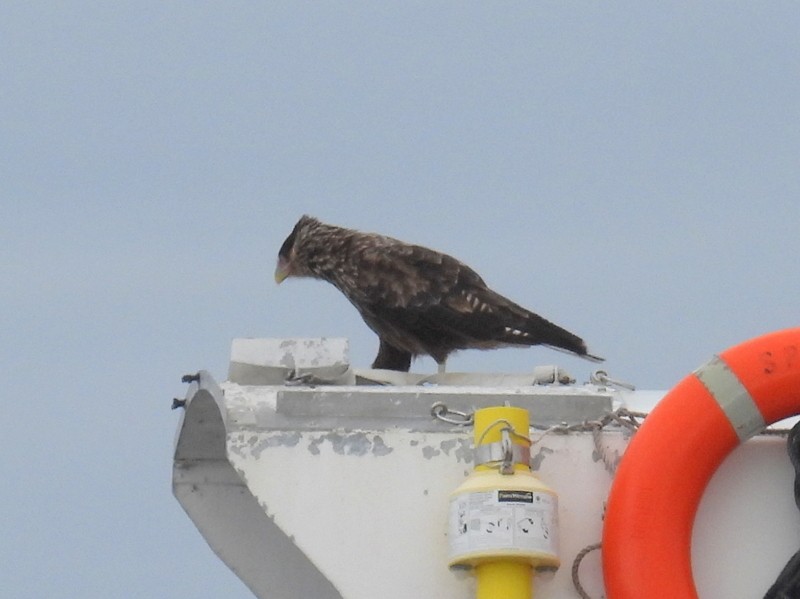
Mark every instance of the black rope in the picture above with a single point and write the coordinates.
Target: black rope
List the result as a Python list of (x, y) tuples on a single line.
[(787, 586)]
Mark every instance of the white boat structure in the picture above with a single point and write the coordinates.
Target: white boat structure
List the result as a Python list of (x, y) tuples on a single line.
[(310, 478)]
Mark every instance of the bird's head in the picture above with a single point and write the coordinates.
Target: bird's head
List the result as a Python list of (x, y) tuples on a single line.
[(292, 258)]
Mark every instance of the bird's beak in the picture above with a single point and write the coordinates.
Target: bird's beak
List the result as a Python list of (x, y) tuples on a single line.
[(281, 270)]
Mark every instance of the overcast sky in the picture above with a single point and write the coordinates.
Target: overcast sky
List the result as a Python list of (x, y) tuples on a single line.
[(628, 170)]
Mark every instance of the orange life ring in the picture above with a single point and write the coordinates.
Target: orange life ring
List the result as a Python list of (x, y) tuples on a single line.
[(662, 476)]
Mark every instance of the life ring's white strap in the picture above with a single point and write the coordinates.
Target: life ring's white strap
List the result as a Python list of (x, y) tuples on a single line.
[(728, 391)]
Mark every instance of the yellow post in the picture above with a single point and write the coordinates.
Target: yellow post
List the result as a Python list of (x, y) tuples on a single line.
[(503, 520), (502, 579)]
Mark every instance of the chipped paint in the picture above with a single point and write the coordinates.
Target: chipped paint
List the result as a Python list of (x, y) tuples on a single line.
[(448, 445), (536, 460), (613, 459), (429, 452), (254, 445), (379, 447), (279, 439), (461, 448), (351, 444)]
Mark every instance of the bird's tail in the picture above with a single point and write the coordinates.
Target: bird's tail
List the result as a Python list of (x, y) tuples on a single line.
[(532, 329), (586, 356)]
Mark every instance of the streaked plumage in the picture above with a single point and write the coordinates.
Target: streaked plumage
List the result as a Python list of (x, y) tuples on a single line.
[(417, 300)]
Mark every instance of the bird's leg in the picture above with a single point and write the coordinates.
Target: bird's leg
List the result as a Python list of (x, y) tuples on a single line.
[(391, 358)]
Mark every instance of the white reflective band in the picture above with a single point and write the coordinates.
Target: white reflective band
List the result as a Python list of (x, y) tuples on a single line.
[(728, 391)]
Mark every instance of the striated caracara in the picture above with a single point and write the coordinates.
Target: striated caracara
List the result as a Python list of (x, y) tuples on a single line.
[(417, 300)]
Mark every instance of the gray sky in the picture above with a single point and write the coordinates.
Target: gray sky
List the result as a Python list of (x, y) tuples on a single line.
[(630, 171)]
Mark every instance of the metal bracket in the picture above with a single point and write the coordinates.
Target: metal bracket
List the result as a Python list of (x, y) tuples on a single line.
[(505, 453)]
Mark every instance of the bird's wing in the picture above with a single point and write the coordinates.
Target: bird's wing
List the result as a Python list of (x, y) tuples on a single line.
[(410, 277), (442, 298), (409, 287)]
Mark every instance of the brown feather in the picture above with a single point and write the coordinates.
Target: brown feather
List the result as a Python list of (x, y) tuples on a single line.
[(417, 300)]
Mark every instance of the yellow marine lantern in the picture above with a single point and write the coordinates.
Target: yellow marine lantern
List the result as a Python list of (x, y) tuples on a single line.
[(503, 520)]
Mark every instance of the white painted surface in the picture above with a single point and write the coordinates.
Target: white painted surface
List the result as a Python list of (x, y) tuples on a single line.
[(361, 509), (370, 509)]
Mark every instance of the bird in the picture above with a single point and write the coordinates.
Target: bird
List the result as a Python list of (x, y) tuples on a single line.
[(417, 300)]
